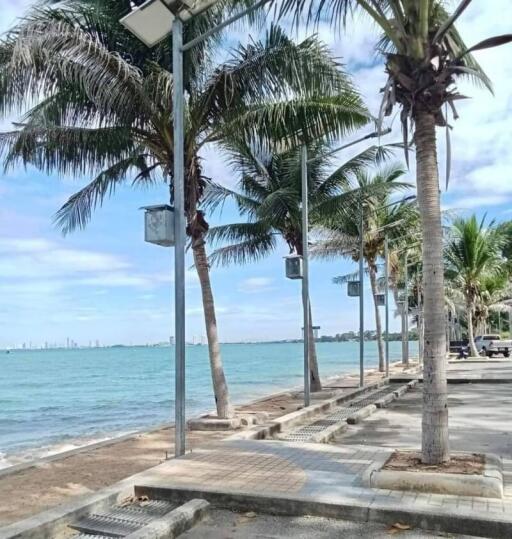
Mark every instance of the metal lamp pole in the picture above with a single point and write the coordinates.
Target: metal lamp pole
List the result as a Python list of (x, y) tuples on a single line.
[(305, 275), (179, 227), (386, 277), (144, 22), (405, 321), (361, 296)]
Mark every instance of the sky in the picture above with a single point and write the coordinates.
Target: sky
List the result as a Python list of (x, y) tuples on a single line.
[(106, 284)]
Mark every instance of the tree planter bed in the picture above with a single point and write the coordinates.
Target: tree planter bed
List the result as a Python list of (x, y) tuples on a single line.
[(467, 474)]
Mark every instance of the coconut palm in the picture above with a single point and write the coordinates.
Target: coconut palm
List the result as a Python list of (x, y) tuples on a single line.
[(506, 229), (98, 104), (473, 256), (424, 55), (494, 290), (342, 232), (269, 196)]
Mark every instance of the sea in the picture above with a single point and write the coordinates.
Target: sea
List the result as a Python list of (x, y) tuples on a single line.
[(55, 400)]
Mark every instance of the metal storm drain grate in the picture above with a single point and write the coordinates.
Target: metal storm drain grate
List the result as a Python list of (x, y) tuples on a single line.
[(119, 520), (304, 434)]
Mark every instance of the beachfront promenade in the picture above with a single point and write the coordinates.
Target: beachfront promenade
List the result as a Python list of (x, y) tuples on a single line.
[(332, 479)]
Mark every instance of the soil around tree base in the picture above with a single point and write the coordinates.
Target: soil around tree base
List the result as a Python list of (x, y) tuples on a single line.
[(410, 461)]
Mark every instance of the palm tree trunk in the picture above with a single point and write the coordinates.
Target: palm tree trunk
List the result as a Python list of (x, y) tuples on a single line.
[(220, 387), (435, 441), (471, 331), (314, 376), (378, 324)]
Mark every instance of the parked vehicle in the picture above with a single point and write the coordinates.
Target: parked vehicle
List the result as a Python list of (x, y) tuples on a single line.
[(490, 345)]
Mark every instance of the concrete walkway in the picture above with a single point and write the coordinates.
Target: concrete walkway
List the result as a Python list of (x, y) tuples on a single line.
[(326, 479), (317, 479)]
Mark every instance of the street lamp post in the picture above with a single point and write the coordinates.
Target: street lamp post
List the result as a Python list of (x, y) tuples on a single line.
[(179, 251), (386, 294), (405, 316), (152, 22), (305, 276), (305, 281), (361, 295)]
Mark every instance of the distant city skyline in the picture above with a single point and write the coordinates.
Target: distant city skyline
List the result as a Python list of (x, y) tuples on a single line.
[(105, 283)]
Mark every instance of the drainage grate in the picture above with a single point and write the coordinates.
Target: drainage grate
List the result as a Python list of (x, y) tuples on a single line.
[(120, 520), (304, 434)]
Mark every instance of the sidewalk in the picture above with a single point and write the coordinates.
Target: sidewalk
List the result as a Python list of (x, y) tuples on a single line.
[(317, 479), (326, 479)]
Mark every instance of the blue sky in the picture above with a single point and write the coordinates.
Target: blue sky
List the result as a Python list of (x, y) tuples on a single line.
[(105, 283)]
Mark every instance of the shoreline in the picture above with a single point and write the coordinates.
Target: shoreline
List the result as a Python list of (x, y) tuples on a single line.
[(53, 480), (54, 454)]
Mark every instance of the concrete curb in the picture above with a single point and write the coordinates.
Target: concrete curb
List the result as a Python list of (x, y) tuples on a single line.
[(460, 521), (213, 423), (174, 523), (329, 433), (388, 399), (401, 391), (356, 417), (82, 449), (487, 485)]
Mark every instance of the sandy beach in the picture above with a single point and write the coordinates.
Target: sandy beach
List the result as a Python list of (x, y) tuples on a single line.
[(31, 488)]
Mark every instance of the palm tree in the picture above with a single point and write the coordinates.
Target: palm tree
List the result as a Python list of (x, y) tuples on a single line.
[(269, 195), (342, 232), (494, 289), (506, 229), (103, 109), (424, 55), (473, 257)]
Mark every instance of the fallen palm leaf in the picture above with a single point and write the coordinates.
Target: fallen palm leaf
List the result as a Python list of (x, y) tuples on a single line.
[(398, 527)]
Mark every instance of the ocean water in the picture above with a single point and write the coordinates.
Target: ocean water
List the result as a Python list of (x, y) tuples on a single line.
[(53, 400)]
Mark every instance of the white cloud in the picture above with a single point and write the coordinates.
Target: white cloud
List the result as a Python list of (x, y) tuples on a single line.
[(476, 202), (254, 285)]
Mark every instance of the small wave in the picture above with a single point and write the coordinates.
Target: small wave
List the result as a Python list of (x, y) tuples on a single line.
[(4, 461)]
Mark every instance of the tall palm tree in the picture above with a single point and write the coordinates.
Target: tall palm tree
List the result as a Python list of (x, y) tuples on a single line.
[(494, 289), (424, 56), (342, 232), (103, 109), (269, 196), (473, 256)]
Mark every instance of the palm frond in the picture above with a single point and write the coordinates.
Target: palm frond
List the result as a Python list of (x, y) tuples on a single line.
[(76, 212), (244, 252), (66, 150)]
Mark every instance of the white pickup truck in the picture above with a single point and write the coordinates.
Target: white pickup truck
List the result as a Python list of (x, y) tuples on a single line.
[(489, 345)]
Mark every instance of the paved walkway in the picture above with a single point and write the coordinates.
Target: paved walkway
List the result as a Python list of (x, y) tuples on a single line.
[(320, 475), (331, 475)]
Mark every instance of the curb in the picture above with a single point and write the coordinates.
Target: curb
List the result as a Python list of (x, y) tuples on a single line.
[(356, 417), (455, 522), (329, 433), (174, 523), (487, 485)]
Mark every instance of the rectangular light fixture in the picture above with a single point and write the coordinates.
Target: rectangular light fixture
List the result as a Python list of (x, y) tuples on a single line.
[(152, 21)]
